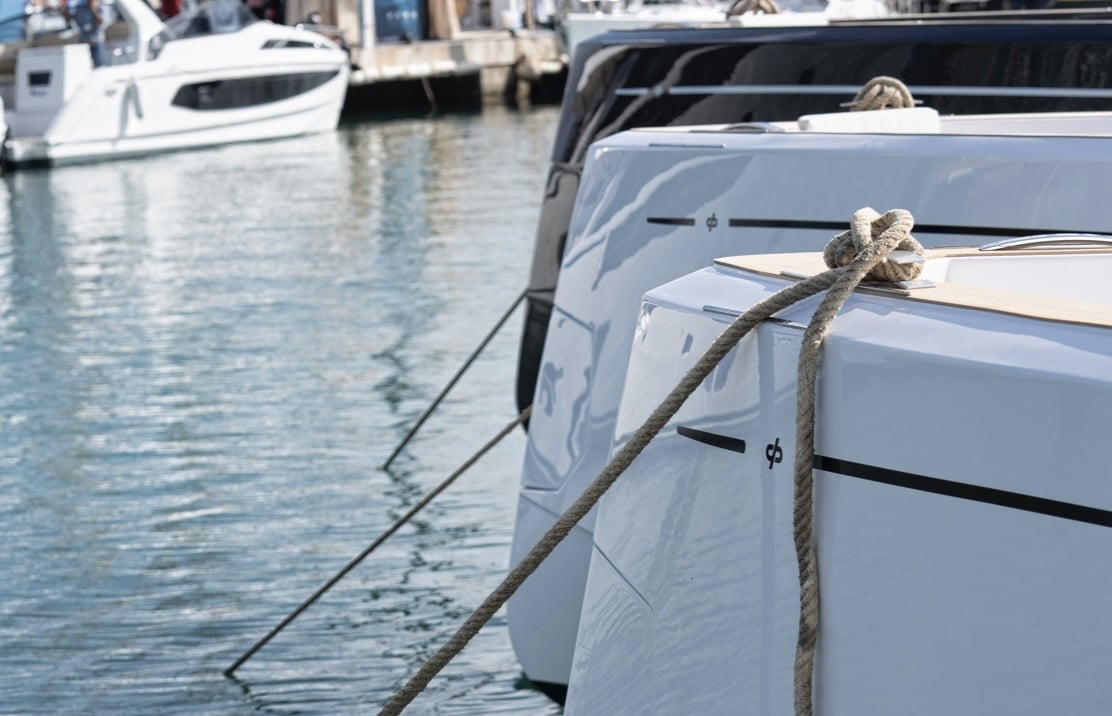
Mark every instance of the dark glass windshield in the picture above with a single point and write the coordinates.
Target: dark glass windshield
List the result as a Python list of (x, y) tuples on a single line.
[(215, 17)]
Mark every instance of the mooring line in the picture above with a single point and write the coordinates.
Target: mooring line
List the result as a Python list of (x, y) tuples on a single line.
[(382, 538), (851, 255), (455, 378)]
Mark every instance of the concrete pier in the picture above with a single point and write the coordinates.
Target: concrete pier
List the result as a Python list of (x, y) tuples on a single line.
[(440, 52), (474, 67)]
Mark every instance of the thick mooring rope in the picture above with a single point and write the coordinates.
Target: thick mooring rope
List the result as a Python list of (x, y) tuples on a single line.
[(875, 237), (756, 7), (398, 524), (882, 92), (852, 255)]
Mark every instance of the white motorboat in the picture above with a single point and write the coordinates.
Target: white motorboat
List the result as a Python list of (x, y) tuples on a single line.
[(212, 75), (961, 503), (957, 63), (655, 204)]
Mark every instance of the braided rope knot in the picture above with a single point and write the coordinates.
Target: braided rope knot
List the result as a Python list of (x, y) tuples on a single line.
[(871, 233), (756, 7), (882, 92)]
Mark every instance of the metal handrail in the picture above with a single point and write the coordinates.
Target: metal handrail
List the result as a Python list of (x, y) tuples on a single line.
[(1050, 241)]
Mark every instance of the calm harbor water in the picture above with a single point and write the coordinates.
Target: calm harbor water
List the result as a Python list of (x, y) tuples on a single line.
[(205, 357)]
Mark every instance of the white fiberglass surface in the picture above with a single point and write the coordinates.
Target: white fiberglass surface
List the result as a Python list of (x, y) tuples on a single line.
[(1081, 277), (962, 494), (1077, 124), (656, 204)]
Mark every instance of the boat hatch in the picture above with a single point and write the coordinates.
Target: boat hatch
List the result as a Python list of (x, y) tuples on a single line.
[(1064, 266)]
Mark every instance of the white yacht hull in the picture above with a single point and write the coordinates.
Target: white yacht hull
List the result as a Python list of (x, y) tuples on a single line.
[(655, 204), (307, 116), (963, 500)]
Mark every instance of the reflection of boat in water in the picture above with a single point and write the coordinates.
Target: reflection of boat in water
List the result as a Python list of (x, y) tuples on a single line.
[(652, 205), (960, 497), (211, 75)]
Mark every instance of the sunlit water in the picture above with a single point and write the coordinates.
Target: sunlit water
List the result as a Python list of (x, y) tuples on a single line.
[(205, 357)]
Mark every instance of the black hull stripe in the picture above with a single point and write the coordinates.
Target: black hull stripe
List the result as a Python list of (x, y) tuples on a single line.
[(670, 221), (719, 441), (919, 228), (963, 491)]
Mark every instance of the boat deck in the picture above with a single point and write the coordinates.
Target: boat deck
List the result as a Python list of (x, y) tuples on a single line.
[(1061, 285)]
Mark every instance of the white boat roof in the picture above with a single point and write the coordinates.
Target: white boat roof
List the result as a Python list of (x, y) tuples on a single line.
[(1065, 285), (920, 120)]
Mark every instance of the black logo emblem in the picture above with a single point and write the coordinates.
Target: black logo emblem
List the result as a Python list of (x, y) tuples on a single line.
[(774, 453)]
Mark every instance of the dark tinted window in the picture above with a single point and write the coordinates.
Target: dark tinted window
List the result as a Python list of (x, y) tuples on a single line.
[(233, 94)]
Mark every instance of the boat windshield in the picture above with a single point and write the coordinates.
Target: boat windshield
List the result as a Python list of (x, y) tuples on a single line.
[(214, 17)]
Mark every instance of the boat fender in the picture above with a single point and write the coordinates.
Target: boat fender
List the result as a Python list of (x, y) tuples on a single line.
[(131, 95)]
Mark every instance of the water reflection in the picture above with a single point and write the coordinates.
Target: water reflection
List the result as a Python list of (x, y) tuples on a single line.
[(204, 358)]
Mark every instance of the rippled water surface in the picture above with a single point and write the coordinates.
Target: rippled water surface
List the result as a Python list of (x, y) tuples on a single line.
[(205, 357)]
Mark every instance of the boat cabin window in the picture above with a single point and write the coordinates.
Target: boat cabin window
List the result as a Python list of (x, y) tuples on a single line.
[(215, 17)]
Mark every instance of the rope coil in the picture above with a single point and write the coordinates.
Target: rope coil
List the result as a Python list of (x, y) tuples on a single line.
[(755, 7), (867, 228), (882, 92), (871, 238)]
